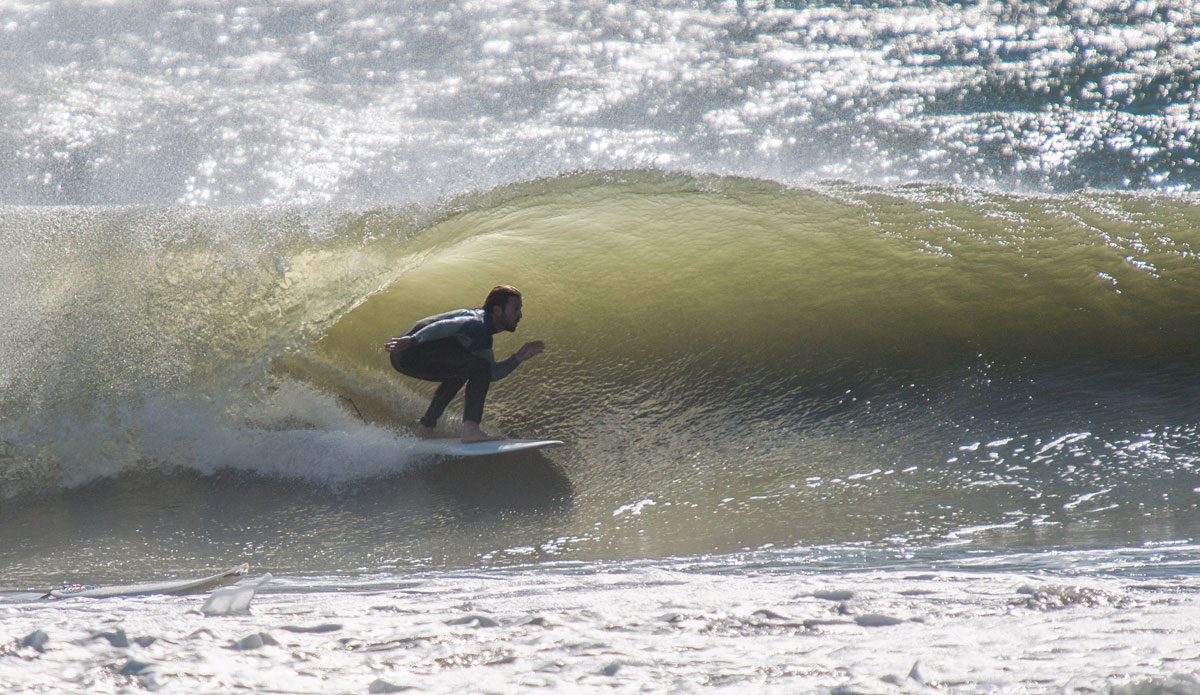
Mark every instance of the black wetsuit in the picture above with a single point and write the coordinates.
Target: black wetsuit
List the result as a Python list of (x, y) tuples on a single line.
[(454, 348)]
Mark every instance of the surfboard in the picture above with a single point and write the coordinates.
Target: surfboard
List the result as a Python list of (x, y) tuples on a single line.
[(453, 447), (171, 586)]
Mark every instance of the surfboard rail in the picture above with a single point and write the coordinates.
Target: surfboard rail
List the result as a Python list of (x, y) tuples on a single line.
[(454, 447), (170, 586)]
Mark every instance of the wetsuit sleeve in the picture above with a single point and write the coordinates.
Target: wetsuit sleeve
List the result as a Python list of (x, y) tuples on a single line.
[(499, 369), (438, 330), (503, 369)]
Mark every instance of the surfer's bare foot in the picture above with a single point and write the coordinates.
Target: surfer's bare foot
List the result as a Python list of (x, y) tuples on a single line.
[(471, 433), (425, 432)]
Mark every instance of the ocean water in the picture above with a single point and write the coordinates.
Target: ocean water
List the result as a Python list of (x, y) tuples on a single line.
[(872, 332)]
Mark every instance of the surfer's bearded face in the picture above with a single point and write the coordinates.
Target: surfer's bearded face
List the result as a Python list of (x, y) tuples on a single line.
[(507, 318)]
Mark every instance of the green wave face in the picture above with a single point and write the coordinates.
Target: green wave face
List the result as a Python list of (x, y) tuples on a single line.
[(838, 355), (695, 293)]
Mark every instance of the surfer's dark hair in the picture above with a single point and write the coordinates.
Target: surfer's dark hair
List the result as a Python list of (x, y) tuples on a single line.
[(499, 297)]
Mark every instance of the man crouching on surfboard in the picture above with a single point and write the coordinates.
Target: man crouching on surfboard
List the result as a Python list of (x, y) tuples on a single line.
[(455, 348)]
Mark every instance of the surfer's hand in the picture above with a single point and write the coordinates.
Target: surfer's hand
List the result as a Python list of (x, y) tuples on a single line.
[(398, 344), (531, 349)]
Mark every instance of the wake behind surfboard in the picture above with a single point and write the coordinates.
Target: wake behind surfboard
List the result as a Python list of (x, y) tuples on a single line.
[(453, 447)]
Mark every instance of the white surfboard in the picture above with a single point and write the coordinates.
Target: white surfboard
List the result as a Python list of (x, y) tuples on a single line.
[(453, 447), (174, 586)]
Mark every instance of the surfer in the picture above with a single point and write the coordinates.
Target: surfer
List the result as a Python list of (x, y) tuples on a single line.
[(455, 348)]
